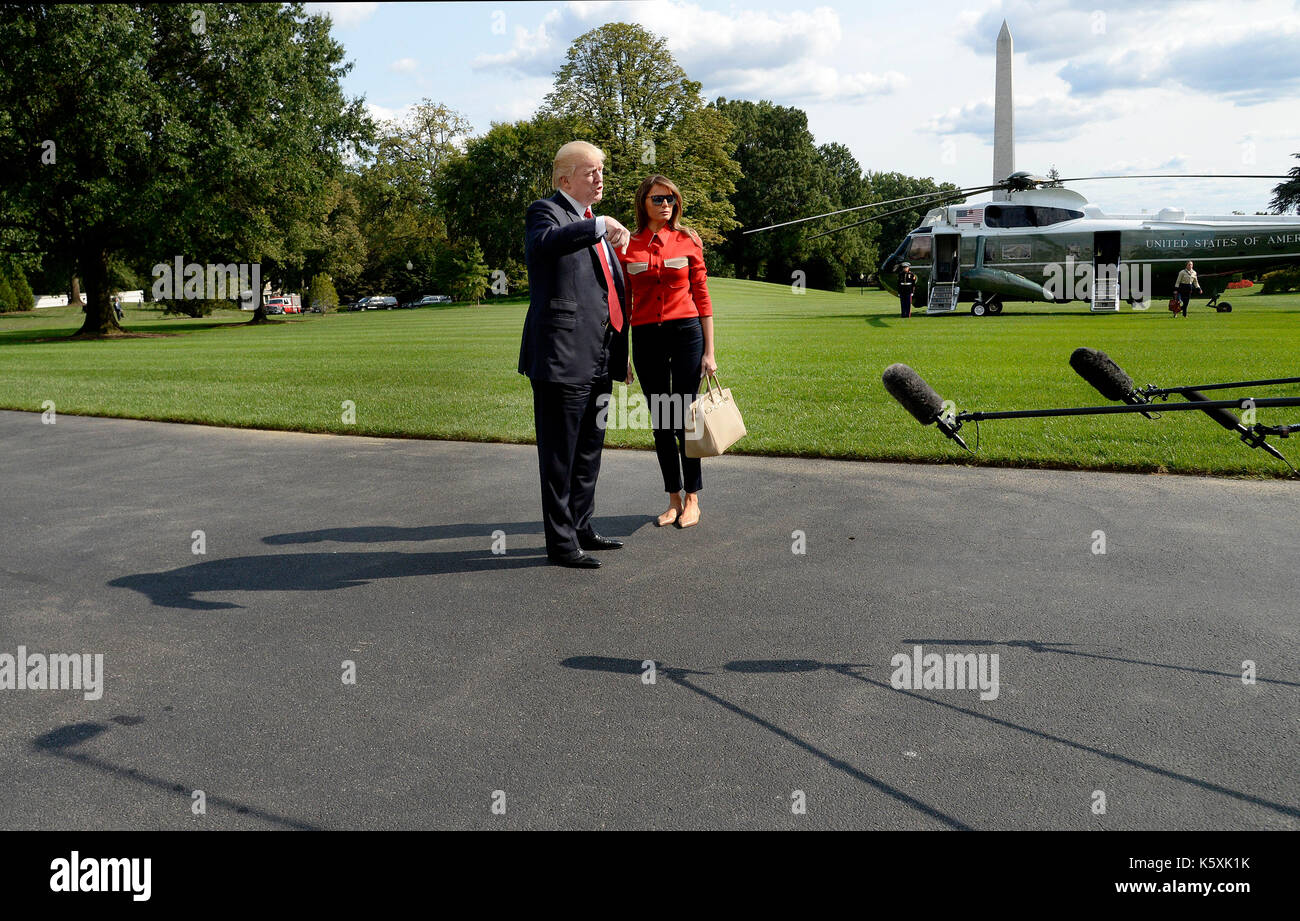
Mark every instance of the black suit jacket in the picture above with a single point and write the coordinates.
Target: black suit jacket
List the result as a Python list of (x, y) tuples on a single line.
[(568, 309)]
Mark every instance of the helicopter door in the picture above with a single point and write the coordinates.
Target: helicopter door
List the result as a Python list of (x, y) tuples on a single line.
[(944, 273), (1105, 271)]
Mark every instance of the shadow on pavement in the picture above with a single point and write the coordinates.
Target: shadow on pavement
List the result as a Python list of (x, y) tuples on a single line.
[(58, 743), (678, 677), (310, 572), (790, 666), (613, 526), (1036, 646)]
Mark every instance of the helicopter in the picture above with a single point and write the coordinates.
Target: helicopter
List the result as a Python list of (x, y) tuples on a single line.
[(1043, 242)]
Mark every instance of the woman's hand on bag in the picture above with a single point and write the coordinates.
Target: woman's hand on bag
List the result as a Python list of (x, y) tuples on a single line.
[(630, 376), (708, 365)]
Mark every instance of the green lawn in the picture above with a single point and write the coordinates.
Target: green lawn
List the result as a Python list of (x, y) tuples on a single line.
[(805, 370)]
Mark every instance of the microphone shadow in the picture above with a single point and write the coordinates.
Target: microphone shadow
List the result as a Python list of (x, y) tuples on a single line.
[(1060, 649), (62, 742)]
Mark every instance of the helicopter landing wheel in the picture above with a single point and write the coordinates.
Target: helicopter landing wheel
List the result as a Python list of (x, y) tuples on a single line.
[(994, 306), (978, 309)]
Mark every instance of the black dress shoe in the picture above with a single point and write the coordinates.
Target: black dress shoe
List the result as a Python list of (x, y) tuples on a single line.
[(574, 559), (594, 541)]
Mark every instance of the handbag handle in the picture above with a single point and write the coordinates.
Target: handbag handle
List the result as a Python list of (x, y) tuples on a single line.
[(709, 380)]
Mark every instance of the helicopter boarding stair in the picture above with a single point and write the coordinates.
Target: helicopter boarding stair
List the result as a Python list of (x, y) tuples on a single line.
[(943, 298), (1105, 292)]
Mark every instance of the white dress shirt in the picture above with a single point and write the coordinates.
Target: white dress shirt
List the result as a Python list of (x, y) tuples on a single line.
[(582, 209)]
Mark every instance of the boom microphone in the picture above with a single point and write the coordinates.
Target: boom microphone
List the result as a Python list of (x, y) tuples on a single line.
[(919, 399), (1230, 422), (1220, 415), (1108, 378)]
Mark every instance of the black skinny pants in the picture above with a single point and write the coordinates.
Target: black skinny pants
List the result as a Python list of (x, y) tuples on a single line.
[(667, 358)]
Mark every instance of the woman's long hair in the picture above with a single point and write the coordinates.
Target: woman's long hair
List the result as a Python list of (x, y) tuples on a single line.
[(643, 216)]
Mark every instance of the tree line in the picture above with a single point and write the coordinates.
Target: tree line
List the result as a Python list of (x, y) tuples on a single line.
[(131, 134)]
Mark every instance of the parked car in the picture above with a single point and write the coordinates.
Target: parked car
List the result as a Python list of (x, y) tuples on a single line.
[(359, 305), (381, 303), (273, 306), (429, 299), (283, 305)]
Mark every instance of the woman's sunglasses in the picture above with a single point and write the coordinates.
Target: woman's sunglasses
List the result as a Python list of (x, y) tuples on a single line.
[(662, 199)]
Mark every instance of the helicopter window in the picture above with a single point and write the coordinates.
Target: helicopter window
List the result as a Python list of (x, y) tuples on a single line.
[(1016, 251), (1045, 216), (1027, 216), (1008, 216), (918, 249)]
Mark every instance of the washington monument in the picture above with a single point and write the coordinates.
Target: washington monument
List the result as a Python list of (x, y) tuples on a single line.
[(1004, 119)]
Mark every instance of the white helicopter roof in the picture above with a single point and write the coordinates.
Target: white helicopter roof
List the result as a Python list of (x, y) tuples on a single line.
[(1074, 201)]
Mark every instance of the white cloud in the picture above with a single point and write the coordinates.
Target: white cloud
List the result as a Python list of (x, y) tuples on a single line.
[(1243, 52), (345, 15), (1246, 63), (1178, 161), (380, 113), (405, 65), (1042, 118), (780, 55), (805, 81)]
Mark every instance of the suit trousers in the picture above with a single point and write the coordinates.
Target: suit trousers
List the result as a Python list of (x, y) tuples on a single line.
[(569, 443), (667, 357)]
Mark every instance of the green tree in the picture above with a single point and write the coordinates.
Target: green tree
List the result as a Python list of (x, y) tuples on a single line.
[(24, 299), (321, 296), (486, 191), (8, 299), (853, 249), (889, 186), (150, 131), (621, 86), (1286, 195), (411, 154), (783, 178), (470, 273), (696, 155)]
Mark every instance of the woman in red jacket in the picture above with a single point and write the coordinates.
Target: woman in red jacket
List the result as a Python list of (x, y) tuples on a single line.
[(672, 334)]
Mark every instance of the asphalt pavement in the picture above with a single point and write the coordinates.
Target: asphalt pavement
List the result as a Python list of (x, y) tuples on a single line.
[(714, 677)]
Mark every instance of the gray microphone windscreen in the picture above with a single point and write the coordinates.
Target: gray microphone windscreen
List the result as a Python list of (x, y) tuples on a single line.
[(1098, 369), (914, 394)]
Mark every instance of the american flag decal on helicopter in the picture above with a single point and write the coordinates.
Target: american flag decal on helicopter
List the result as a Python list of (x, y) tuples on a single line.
[(970, 215)]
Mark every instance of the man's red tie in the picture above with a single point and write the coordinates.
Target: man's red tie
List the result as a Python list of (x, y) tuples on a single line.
[(615, 309)]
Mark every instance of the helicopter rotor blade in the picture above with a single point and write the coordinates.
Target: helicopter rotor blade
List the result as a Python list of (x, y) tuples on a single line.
[(960, 193), (1178, 176), (876, 217)]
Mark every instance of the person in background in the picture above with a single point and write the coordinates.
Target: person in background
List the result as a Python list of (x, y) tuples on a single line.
[(117, 306), (906, 288), (1186, 282), (672, 334)]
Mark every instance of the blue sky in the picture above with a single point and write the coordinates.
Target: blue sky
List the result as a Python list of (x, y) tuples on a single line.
[(1163, 85)]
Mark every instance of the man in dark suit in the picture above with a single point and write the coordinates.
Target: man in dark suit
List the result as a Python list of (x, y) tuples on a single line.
[(574, 346)]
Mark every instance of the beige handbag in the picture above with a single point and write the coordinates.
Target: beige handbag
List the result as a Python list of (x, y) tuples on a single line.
[(714, 422)]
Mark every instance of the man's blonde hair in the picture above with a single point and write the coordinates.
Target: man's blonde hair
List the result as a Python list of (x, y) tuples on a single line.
[(566, 160)]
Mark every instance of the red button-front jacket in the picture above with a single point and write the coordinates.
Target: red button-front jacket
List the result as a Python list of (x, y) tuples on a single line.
[(666, 277)]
